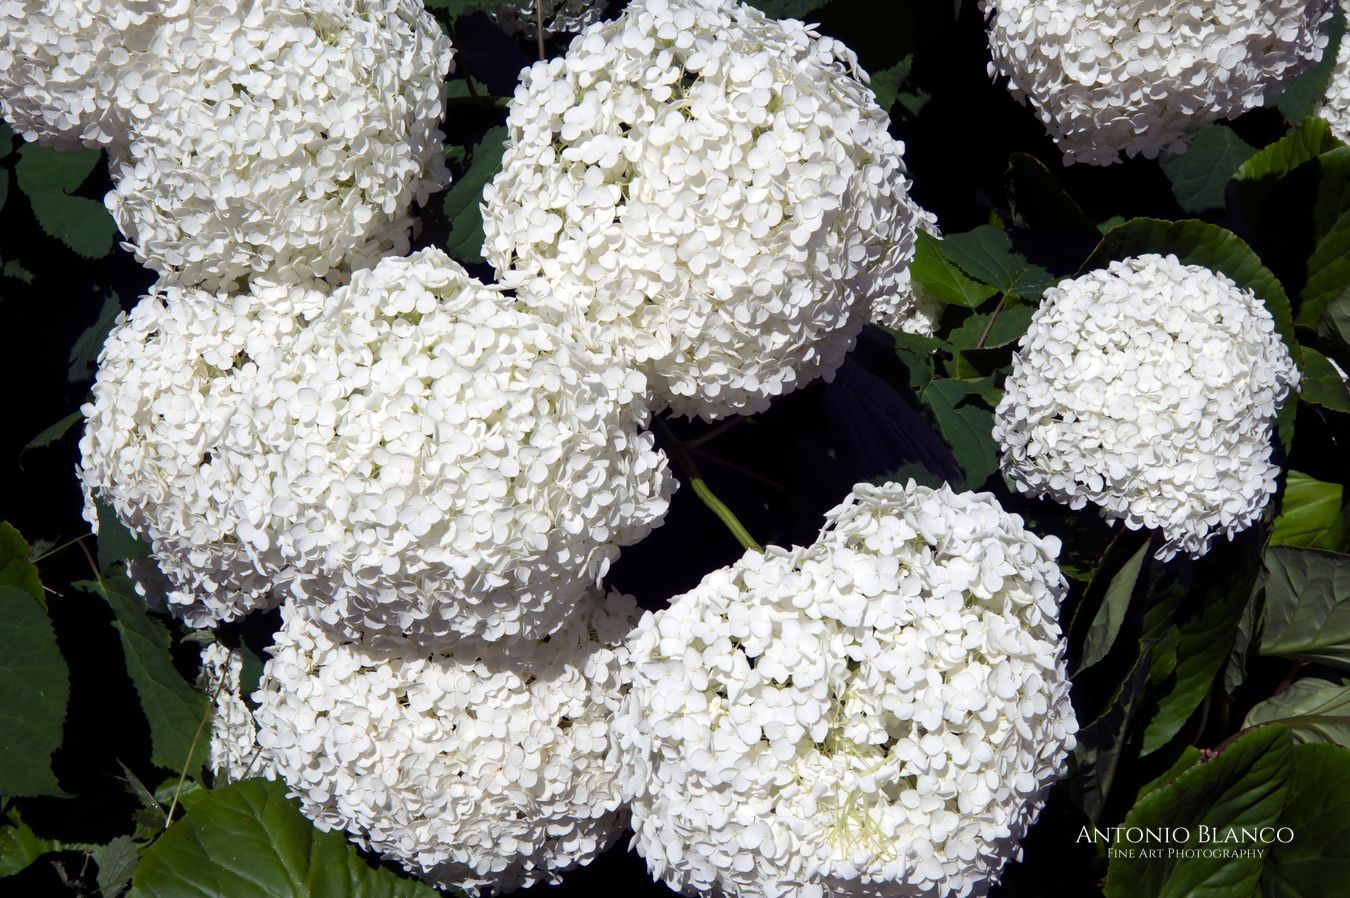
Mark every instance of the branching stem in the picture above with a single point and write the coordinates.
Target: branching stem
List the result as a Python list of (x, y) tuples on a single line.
[(696, 482)]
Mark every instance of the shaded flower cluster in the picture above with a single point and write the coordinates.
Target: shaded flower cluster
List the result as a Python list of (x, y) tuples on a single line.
[(162, 433), (720, 187), (435, 463), (909, 308), (235, 753), (476, 770), (1335, 105), (1150, 389), (1137, 77), (881, 713)]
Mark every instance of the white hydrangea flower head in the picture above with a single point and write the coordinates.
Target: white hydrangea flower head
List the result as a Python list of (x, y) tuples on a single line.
[(488, 769), (722, 188), (235, 753), (286, 138), (910, 308), (879, 714), (436, 463), (1335, 105), (1137, 77), (1150, 389), (62, 64), (161, 431)]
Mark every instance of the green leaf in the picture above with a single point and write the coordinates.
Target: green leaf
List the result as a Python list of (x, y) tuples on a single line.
[(34, 688), (14, 270), (48, 177), (115, 542), (986, 253), (886, 83), (1310, 513), (19, 846), (1008, 327), (174, 710), (1110, 614), (1310, 140), (1189, 757), (248, 840), (966, 427), (4, 187), (1336, 323), (1200, 243), (1328, 268), (87, 347), (1200, 174), (6, 139), (943, 280), (1322, 384), (1328, 271), (1245, 786), (1103, 743), (1302, 94), (462, 201), (1313, 710), (53, 433), (1317, 810), (1307, 606), (16, 566), (917, 354), (787, 9), (1201, 622), (116, 861)]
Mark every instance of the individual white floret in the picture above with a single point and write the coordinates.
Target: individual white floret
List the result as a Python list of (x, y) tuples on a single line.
[(161, 430), (482, 770), (721, 188), (62, 65), (879, 714), (235, 753), (1335, 105), (909, 308), (436, 462), (282, 138), (1150, 389), (1137, 77)]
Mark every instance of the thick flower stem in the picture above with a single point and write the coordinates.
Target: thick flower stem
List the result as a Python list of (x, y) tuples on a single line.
[(701, 489)]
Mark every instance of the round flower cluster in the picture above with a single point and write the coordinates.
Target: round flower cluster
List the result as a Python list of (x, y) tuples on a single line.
[(1137, 76), (720, 186), (909, 308), (436, 463), (281, 138), (162, 432), (1149, 388), (62, 64), (1335, 105), (476, 770), (235, 753), (879, 714)]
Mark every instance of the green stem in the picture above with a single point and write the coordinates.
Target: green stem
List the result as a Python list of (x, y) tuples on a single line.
[(695, 442), (989, 325), (65, 545), (717, 506), (539, 27)]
